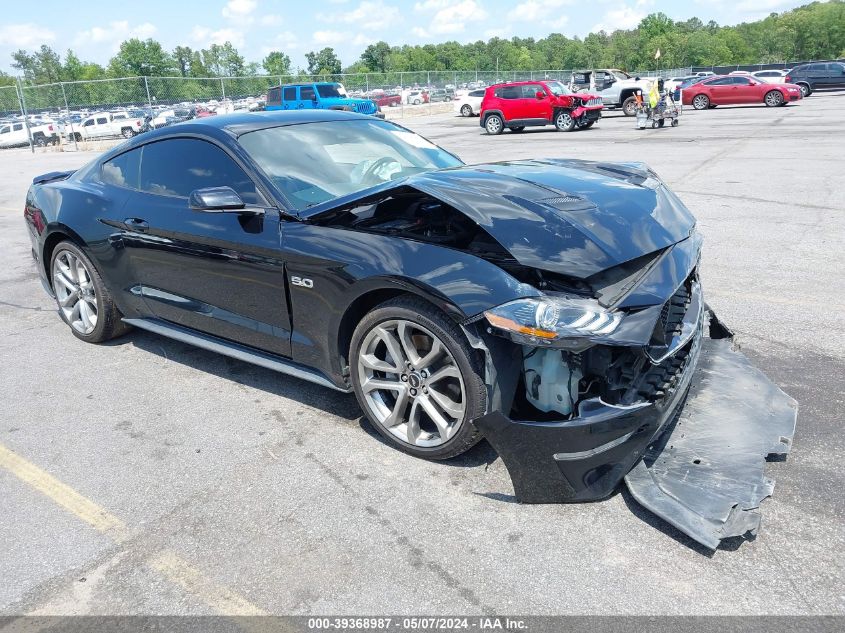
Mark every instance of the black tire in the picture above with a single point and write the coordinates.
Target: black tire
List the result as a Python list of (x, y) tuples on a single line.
[(629, 106), (40, 140), (109, 323), (701, 102), (466, 110), (675, 122), (586, 125), (468, 362), (661, 123), (806, 91), (774, 98), (127, 132), (494, 124), (517, 128), (564, 121)]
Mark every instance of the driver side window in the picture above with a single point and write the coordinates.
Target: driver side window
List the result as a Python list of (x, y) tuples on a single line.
[(176, 167)]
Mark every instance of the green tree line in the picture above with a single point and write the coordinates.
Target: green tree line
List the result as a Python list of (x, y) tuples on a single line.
[(813, 31)]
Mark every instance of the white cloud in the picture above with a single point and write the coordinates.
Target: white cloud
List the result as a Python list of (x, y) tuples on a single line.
[(491, 33), (271, 20), (204, 36), (368, 15), (238, 9), (25, 35), (284, 42), (537, 10), (333, 38), (451, 16), (420, 32), (114, 33), (362, 40), (624, 17)]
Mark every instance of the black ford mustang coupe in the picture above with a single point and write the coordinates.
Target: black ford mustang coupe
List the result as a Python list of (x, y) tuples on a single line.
[(551, 306)]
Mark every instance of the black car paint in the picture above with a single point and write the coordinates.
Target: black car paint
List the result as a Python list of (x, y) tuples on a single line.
[(229, 275)]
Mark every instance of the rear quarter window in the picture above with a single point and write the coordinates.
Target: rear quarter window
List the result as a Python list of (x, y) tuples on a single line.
[(123, 170)]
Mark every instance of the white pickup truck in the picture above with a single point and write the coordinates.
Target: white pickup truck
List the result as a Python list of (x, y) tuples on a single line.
[(103, 124), (13, 133), (616, 87)]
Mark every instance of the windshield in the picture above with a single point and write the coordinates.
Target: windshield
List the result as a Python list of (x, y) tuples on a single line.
[(315, 162), (331, 91), (558, 88)]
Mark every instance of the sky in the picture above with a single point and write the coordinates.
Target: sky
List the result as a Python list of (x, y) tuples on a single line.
[(95, 28)]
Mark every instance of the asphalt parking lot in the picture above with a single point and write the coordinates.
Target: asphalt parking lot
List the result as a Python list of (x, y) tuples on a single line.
[(149, 477)]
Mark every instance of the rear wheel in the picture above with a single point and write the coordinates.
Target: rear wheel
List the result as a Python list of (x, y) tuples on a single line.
[(494, 124), (564, 121), (128, 132), (701, 102), (466, 110), (417, 378), (629, 106), (773, 98), (85, 303), (805, 90)]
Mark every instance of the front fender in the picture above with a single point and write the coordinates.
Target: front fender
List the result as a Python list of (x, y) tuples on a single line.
[(336, 267)]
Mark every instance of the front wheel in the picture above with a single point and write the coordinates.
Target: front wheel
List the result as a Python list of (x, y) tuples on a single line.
[(564, 121), (466, 110), (629, 106), (517, 128), (417, 378), (586, 125), (701, 102), (494, 124), (773, 99), (85, 303)]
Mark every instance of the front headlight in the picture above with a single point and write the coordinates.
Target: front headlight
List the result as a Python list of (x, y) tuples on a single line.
[(547, 320)]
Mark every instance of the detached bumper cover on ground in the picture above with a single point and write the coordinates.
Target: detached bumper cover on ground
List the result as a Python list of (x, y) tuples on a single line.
[(705, 476), (696, 459)]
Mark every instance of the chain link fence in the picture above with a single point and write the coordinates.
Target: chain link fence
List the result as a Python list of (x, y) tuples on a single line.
[(152, 92)]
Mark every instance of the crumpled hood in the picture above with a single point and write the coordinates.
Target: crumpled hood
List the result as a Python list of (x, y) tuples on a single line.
[(571, 217)]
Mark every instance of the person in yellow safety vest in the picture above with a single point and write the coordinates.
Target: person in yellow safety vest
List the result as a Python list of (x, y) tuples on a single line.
[(653, 95)]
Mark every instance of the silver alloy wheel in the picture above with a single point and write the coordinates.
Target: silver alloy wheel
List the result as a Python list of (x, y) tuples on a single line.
[(774, 98), (700, 102), (411, 383), (564, 121), (466, 110), (493, 124), (75, 292), (805, 89)]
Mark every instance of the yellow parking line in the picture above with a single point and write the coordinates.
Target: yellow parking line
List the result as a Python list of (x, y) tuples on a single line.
[(167, 563), (64, 495), (189, 578)]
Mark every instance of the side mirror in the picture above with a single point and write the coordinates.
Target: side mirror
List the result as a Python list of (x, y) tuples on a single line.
[(540, 94), (215, 199)]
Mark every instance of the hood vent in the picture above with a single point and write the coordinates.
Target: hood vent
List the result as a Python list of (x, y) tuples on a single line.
[(567, 199)]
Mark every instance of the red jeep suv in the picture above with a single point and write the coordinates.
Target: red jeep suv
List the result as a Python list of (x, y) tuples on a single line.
[(520, 104)]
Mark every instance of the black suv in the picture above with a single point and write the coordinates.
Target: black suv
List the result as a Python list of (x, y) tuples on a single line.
[(817, 76)]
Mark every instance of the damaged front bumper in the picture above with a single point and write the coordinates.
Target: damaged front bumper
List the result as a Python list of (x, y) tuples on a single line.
[(695, 457)]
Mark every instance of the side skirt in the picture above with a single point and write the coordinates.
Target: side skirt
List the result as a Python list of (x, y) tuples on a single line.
[(234, 350)]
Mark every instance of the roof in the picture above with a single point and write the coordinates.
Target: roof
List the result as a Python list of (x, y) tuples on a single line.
[(239, 123)]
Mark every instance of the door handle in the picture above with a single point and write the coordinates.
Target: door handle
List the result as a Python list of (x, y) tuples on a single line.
[(136, 224)]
